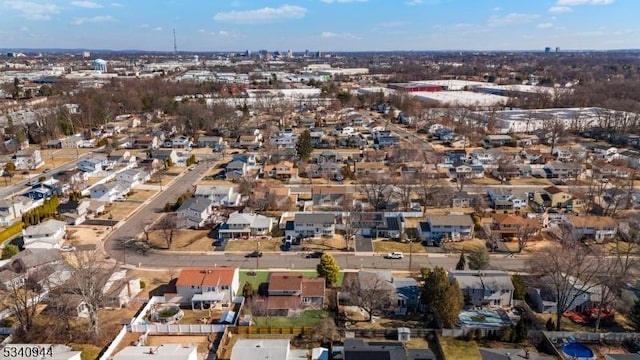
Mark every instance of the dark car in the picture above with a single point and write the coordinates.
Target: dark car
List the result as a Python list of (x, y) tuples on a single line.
[(254, 254), (314, 255)]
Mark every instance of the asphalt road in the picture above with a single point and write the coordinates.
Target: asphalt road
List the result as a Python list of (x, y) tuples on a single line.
[(20, 187), (411, 136)]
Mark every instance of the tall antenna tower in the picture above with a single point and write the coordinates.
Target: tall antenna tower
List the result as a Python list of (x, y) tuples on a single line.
[(175, 44)]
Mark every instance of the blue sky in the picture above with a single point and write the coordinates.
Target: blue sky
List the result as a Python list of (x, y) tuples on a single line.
[(325, 25)]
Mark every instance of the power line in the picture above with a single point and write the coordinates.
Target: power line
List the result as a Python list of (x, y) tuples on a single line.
[(175, 44)]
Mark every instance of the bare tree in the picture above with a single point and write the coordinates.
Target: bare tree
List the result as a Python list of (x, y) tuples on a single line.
[(431, 190), (168, 225), (325, 332), (90, 275), (569, 270), (505, 167), (378, 190), (404, 188), (370, 291), (525, 233), (23, 301), (553, 132)]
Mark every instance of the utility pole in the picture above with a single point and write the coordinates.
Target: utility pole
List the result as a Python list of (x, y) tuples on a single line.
[(257, 255), (175, 44)]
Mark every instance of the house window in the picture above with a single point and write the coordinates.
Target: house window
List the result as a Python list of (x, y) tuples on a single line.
[(224, 287), (306, 300)]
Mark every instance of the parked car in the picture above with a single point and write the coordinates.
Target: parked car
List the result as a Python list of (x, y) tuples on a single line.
[(67, 248), (314, 255), (254, 254), (394, 255), (286, 246)]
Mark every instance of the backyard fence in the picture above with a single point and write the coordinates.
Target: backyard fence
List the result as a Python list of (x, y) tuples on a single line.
[(384, 333), (270, 330), (178, 329), (108, 351)]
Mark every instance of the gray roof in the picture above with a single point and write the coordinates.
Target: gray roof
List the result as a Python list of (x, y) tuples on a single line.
[(35, 257), (212, 190), (314, 218), (482, 279), (195, 204), (623, 356), (511, 354), (44, 228), (260, 349), (451, 220)]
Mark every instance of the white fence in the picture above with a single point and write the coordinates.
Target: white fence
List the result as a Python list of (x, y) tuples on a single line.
[(106, 354), (178, 329)]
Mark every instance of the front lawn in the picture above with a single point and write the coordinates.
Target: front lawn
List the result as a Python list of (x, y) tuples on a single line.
[(305, 319), (459, 349), (260, 277), (248, 245), (387, 246)]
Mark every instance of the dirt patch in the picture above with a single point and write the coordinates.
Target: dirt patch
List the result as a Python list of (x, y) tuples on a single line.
[(119, 210), (140, 195), (154, 279), (465, 245), (183, 240), (86, 235), (252, 245), (325, 243), (387, 246)]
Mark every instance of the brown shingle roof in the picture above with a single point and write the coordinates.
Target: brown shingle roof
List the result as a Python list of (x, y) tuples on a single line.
[(313, 287), (284, 302), (553, 190), (508, 219), (592, 221), (206, 276), (285, 282)]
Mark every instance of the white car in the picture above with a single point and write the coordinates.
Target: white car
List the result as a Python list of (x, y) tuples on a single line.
[(67, 248), (395, 255)]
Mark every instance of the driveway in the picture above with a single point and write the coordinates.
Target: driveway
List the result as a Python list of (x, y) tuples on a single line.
[(363, 244)]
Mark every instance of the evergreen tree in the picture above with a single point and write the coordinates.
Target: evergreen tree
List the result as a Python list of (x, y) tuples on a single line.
[(9, 251), (304, 146), (551, 326), (247, 290), (479, 258), (520, 290), (328, 269), (521, 331), (462, 263), (442, 297)]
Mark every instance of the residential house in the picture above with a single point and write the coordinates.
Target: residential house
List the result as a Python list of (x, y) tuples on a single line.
[(376, 224), (76, 179), (482, 157), (74, 212), (365, 169), (208, 285), (552, 196), (151, 142), (598, 228), (248, 141), (109, 192), (28, 159), (71, 142), (267, 349), (218, 195), (462, 199), (120, 289), (328, 156), (497, 140), (195, 212), (10, 280), (180, 142), (162, 352), (46, 235), (133, 177), (165, 156), (330, 197), (439, 228), (563, 155), (39, 192), (513, 354), (121, 157), (235, 170), (289, 293), (12, 209), (325, 170), (215, 142), (507, 226), (506, 199), (312, 225), (485, 287), (281, 170), (243, 225), (360, 349), (284, 140), (557, 169), (406, 295), (606, 153), (94, 163)]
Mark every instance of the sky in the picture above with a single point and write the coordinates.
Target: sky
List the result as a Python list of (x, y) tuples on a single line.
[(321, 25)]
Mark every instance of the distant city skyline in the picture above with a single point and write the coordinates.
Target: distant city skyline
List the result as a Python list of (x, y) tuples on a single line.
[(321, 25)]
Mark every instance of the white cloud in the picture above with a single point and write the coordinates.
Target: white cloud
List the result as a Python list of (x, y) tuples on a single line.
[(512, 18), (342, 1), (263, 15), (24, 29), (32, 10), (116, 4), (93, 19), (546, 25), (333, 35), (560, 9), (224, 34), (145, 26), (159, 28), (583, 2), (86, 4), (413, 2)]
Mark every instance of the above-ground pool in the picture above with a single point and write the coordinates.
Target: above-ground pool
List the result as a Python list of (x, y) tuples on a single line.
[(484, 318), (578, 351)]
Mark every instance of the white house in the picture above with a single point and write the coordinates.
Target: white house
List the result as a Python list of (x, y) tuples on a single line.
[(210, 284), (110, 191), (161, 352), (598, 228), (195, 212), (245, 225), (134, 177), (218, 195), (94, 163), (71, 142), (312, 225), (28, 159), (11, 210), (447, 227), (180, 142), (46, 235)]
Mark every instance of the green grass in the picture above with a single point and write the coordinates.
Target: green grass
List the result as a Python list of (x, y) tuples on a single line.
[(305, 319), (387, 246), (454, 349), (89, 352), (262, 277)]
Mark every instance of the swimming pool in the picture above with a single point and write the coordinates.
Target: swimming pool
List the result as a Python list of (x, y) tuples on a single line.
[(578, 351), (483, 318)]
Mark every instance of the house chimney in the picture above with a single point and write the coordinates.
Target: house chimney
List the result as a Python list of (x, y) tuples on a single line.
[(526, 354)]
